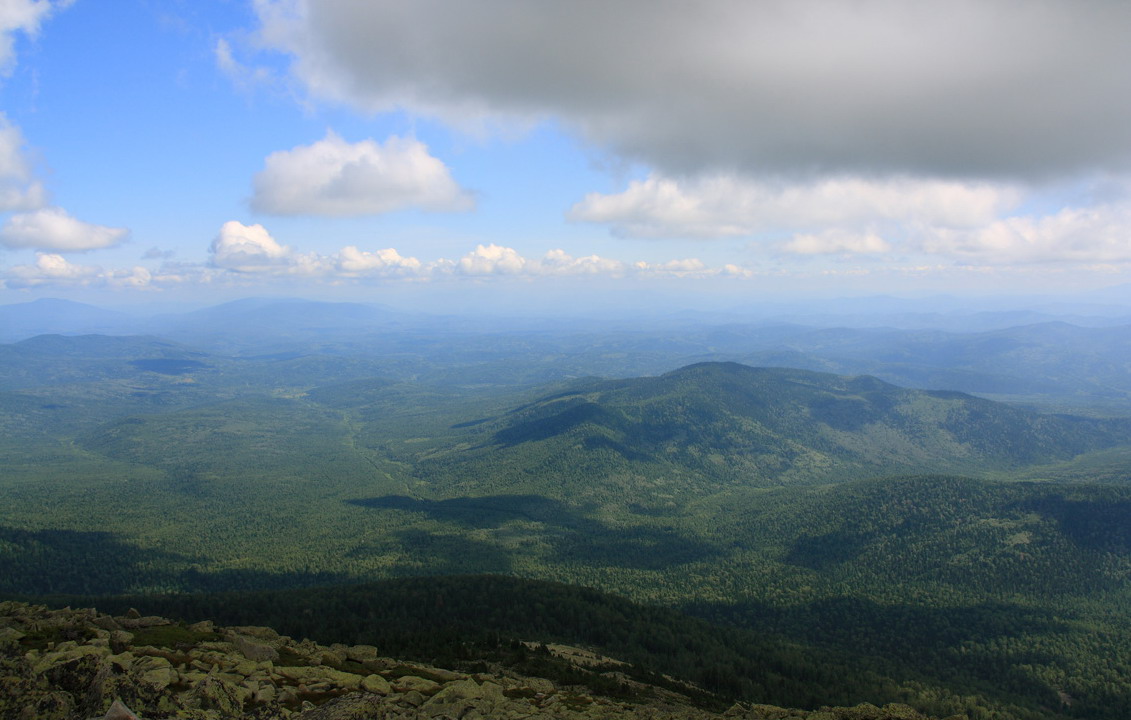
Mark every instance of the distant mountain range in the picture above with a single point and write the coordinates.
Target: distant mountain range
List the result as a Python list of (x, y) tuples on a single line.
[(1050, 363)]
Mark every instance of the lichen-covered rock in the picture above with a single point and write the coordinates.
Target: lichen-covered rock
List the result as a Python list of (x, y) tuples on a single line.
[(356, 706), (361, 653), (767, 712), (376, 684), (137, 623), (74, 664), (321, 674), (212, 693), (10, 638), (159, 678), (453, 700), (413, 698), (119, 711), (410, 683), (252, 631), (252, 650), (54, 705)]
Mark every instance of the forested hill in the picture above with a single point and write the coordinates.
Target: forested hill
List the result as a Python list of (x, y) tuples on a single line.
[(723, 423), (1000, 601)]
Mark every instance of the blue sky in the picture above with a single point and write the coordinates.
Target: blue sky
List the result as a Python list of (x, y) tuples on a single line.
[(536, 153)]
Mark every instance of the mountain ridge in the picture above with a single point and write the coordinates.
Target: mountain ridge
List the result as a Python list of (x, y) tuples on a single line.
[(726, 423)]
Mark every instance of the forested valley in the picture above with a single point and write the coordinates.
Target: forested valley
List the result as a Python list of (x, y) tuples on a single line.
[(842, 528)]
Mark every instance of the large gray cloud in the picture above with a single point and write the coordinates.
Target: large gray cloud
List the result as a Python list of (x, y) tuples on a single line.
[(989, 88)]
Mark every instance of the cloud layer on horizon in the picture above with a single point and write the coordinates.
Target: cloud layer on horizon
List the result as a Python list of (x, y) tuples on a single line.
[(246, 255)]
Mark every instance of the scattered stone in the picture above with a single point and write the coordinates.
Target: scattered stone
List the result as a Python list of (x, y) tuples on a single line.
[(419, 684), (204, 626), (118, 711), (413, 698), (361, 653), (348, 707), (159, 678), (231, 673), (540, 685), (120, 640), (443, 675), (212, 693), (265, 694), (376, 684), (132, 623), (254, 631), (10, 637), (252, 650)]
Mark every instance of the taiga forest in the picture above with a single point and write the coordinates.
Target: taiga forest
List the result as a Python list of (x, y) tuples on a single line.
[(768, 512)]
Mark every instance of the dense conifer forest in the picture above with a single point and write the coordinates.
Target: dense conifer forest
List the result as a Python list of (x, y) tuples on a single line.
[(765, 534)]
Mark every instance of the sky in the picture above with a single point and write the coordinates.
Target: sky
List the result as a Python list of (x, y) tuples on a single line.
[(533, 154)]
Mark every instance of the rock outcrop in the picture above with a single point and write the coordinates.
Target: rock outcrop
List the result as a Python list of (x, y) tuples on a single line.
[(80, 664)]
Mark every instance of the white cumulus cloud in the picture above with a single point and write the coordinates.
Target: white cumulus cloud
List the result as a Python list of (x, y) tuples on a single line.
[(19, 188), (250, 249), (50, 269), (559, 262), (247, 248), (52, 228), (352, 262), (242, 76), (832, 242), (21, 16), (728, 205), (1099, 234), (687, 267), (334, 177), (491, 260)]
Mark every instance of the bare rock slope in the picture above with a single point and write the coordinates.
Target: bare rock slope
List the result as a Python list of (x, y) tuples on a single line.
[(78, 664)]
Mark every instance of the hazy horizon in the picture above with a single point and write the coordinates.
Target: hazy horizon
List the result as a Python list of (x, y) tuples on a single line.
[(620, 302)]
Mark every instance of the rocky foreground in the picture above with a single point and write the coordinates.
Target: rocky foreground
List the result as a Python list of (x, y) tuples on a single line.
[(80, 664)]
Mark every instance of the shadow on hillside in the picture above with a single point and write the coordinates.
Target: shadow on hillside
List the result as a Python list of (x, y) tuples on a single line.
[(821, 552), (909, 637), (69, 562), (572, 535), (1101, 525), (445, 554)]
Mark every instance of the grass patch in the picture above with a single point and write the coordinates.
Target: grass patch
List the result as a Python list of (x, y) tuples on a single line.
[(43, 638)]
